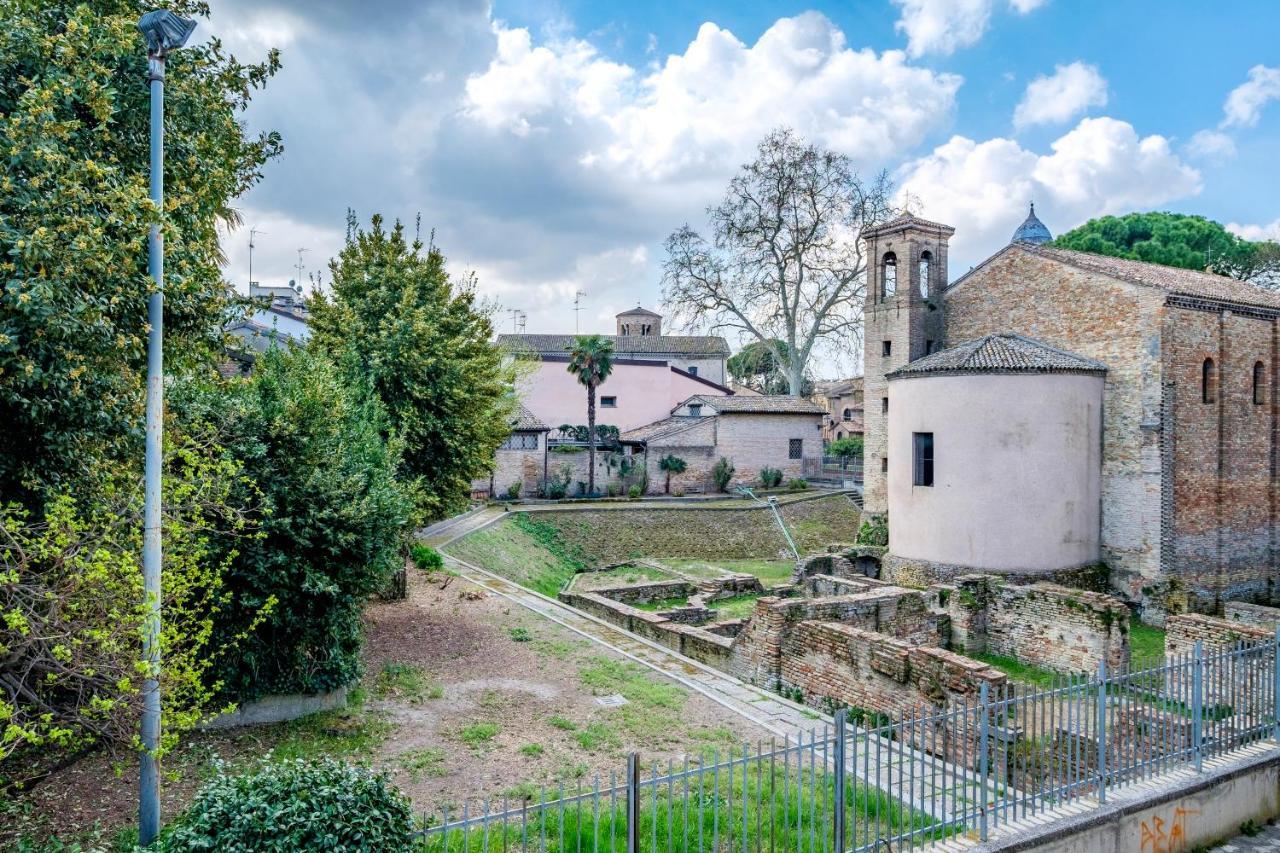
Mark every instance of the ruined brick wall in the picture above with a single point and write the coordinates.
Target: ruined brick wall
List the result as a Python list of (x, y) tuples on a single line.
[(1045, 625), (1183, 630), (1257, 615), (1118, 324), (1221, 518)]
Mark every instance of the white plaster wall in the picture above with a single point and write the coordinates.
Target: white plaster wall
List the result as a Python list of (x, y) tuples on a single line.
[(1017, 470)]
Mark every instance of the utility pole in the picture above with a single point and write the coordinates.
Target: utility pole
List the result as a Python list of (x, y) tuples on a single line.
[(164, 31), (577, 311), (253, 232)]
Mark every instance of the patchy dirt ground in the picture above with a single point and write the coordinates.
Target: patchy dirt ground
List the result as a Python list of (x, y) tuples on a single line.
[(466, 696)]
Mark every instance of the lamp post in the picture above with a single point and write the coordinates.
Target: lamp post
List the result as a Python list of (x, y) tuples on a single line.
[(164, 31)]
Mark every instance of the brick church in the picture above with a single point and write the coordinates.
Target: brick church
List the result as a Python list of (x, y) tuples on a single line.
[(1052, 411)]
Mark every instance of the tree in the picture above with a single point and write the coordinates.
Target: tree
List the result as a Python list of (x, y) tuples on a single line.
[(846, 447), (785, 261), (74, 215), (756, 367), (671, 464), (1178, 240), (329, 514), (591, 360), (396, 320)]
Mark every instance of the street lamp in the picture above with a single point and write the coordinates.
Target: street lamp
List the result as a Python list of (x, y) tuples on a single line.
[(164, 31)]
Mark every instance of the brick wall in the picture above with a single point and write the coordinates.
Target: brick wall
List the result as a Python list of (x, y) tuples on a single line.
[(1257, 615), (1045, 625), (753, 442), (1118, 324), (1183, 630)]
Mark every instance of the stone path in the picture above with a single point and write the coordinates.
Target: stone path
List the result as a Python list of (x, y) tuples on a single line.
[(931, 785), (1268, 839)]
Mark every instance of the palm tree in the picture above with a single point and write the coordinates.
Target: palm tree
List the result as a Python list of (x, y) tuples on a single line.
[(672, 465), (591, 360)]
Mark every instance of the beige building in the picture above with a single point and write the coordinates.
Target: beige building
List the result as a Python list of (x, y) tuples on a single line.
[(843, 401), (752, 432), (521, 460)]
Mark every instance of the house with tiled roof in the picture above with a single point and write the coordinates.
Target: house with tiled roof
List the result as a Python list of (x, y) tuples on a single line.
[(520, 463), (1053, 410), (752, 432)]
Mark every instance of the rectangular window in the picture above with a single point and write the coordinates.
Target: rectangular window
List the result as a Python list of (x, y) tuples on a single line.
[(795, 448), (521, 441), (928, 347), (884, 464), (693, 370), (884, 405), (922, 459), (886, 348), (608, 402), (695, 410)]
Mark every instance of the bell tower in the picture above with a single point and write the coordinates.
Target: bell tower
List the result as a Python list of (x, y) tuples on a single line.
[(902, 320)]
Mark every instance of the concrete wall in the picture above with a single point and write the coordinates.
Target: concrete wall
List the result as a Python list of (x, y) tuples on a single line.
[(1118, 324), (1016, 470)]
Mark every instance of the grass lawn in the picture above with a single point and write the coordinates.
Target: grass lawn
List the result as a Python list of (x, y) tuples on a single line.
[(738, 607), (1146, 646), (524, 549), (770, 572), (1019, 671)]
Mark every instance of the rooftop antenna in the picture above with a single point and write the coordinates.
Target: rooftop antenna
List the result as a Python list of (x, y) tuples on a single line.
[(518, 318), (299, 265), (577, 310), (253, 232)]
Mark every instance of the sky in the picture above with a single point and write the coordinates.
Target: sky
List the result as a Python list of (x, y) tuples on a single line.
[(552, 145)]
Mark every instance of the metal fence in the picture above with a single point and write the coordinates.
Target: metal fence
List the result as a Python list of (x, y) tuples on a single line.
[(871, 783), (839, 470)]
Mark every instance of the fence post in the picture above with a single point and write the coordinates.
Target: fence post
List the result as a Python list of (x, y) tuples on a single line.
[(1102, 731), (839, 792), (1275, 690), (985, 734), (1197, 704), (633, 802)]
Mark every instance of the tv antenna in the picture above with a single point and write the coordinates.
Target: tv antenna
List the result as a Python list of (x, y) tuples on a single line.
[(253, 232), (518, 319), (298, 266), (577, 310)]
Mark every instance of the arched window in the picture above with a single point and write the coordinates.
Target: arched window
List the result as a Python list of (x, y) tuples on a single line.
[(848, 414), (925, 260), (1259, 383), (1208, 382), (890, 274)]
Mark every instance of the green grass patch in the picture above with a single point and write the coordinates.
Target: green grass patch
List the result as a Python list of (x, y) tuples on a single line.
[(770, 572), (423, 762), (477, 735), (564, 725), (532, 750), (622, 576), (633, 681), (405, 681), (737, 607), (662, 603), (596, 736), (529, 552), (520, 635), (1146, 646), (336, 734), (1019, 671)]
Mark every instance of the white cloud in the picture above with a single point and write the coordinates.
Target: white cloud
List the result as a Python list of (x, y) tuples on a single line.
[(1071, 90), (702, 111), (1101, 166), (1212, 146), (1244, 105), (1254, 233), (943, 26)]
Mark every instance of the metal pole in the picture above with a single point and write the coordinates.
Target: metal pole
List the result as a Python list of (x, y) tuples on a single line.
[(1197, 704), (984, 735), (633, 802), (1275, 691), (149, 777), (838, 802), (1102, 731)]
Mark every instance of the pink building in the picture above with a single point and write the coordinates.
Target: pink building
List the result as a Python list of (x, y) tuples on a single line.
[(652, 373)]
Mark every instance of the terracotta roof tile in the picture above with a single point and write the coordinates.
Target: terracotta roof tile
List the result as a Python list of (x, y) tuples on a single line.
[(1000, 353)]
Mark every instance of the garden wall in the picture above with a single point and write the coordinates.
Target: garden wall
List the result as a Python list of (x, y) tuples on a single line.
[(1183, 630), (1045, 625), (1257, 615)]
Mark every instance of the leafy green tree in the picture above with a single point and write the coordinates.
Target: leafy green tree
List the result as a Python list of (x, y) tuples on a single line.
[(396, 320), (591, 360), (74, 215), (671, 464), (722, 474), (846, 447), (330, 515), (1178, 240)]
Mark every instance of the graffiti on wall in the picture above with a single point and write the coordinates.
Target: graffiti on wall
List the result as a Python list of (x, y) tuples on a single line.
[(1167, 834)]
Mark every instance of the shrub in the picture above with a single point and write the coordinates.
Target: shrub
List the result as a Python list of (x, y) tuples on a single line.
[(514, 490), (874, 531), (635, 491), (295, 805), (722, 474), (558, 484), (797, 485), (770, 478), (426, 558), (846, 447), (520, 635), (613, 490)]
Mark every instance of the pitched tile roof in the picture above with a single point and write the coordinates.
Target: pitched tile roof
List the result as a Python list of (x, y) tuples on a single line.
[(762, 404), (1000, 353), (623, 344), (638, 311), (1174, 280), (664, 427), (527, 420), (906, 220)]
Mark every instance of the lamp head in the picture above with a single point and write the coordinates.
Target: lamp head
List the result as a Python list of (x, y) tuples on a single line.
[(164, 31)]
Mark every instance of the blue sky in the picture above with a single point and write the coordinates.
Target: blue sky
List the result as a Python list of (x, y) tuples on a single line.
[(553, 145)]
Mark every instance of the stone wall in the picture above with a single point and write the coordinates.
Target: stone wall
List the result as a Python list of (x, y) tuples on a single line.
[(1045, 625), (1183, 630), (1257, 615)]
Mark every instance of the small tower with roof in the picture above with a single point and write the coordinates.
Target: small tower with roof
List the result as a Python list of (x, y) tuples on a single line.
[(1032, 230), (639, 322)]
